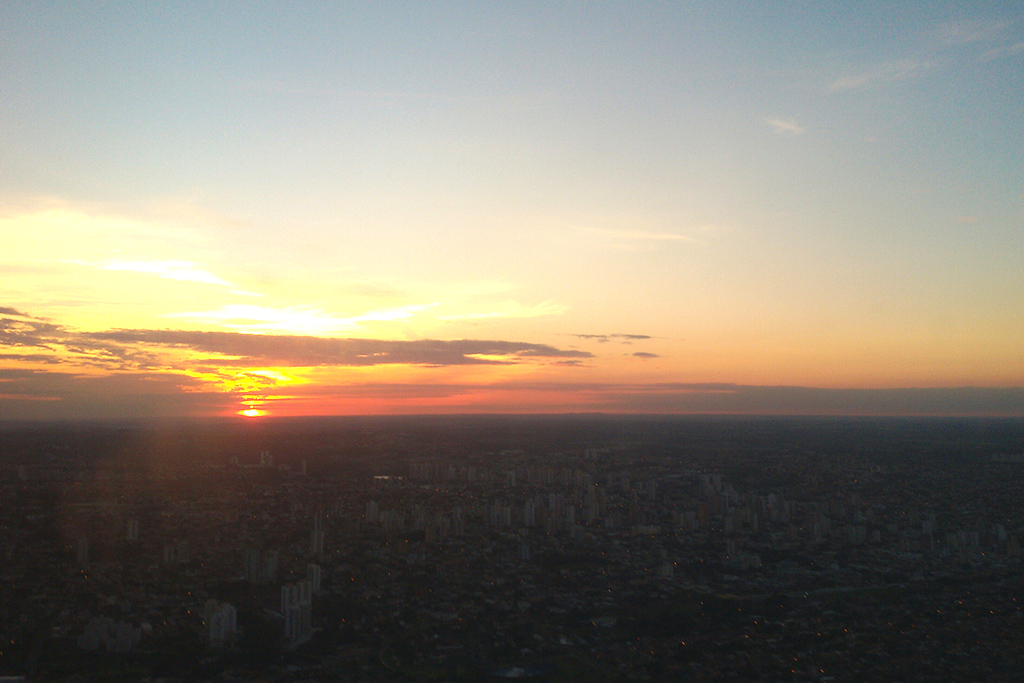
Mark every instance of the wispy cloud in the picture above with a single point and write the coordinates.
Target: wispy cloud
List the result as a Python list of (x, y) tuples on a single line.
[(1004, 51), (785, 126), (644, 354), (949, 43), (512, 309), (880, 74), (7, 310), (313, 320), (970, 31), (185, 271), (603, 338), (51, 230), (305, 319)]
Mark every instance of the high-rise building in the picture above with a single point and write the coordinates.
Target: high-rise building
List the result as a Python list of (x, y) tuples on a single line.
[(316, 543), (372, 512), (314, 575), (252, 565), (297, 608), (221, 620), (260, 567)]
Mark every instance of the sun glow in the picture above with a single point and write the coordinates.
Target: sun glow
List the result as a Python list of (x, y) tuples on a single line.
[(252, 412)]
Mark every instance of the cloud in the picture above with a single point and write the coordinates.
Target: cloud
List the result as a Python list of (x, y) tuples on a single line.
[(604, 338), (698, 398), (294, 350), (294, 318), (381, 390), (970, 31), (135, 347), (47, 394), (310, 320), (791, 400), (30, 358), (879, 74), (35, 394), (46, 231), (31, 332), (949, 46), (644, 354), (669, 398), (1005, 51), (512, 309), (784, 127), (66, 346), (185, 271), (145, 372)]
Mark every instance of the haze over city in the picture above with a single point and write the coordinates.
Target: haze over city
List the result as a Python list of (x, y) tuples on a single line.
[(317, 209)]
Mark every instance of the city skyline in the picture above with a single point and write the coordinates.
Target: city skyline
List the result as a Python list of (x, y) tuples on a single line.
[(530, 208)]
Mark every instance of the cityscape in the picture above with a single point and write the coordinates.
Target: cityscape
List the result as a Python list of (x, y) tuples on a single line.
[(578, 342), (576, 548)]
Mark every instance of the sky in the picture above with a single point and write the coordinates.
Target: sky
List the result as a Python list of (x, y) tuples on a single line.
[(259, 208)]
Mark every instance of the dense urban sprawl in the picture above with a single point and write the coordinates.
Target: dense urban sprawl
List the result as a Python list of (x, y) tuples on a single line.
[(563, 549)]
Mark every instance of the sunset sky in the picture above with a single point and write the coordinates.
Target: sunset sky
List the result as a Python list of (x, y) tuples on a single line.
[(322, 208)]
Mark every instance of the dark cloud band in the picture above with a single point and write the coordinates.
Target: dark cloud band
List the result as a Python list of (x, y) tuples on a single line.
[(290, 350), (281, 350)]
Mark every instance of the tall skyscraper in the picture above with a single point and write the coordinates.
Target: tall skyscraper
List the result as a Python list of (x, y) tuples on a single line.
[(297, 608)]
